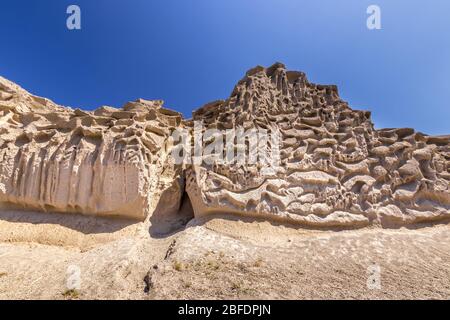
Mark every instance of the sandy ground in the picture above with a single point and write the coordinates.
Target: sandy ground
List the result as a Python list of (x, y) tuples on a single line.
[(219, 258)]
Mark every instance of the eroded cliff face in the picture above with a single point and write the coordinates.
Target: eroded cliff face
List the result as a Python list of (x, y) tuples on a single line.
[(109, 161), (334, 168)]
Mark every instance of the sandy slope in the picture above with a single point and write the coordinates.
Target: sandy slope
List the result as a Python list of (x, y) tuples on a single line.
[(220, 258)]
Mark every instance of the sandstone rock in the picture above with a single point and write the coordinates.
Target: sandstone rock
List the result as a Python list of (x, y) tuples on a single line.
[(332, 152), (112, 162), (333, 168)]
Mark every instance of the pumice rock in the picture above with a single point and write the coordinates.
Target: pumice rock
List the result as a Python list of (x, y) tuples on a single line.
[(111, 162), (333, 168)]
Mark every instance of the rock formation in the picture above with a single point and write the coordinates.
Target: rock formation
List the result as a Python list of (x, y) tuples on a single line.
[(334, 168), (105, 162)]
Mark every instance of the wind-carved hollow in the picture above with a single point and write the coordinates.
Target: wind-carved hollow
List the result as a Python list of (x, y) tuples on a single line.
[(173, 212)]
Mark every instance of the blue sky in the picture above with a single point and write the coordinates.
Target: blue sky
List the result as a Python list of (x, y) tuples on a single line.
[(191, 52)]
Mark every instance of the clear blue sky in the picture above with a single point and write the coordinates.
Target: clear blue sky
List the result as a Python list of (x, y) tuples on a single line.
[(191, 52)]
